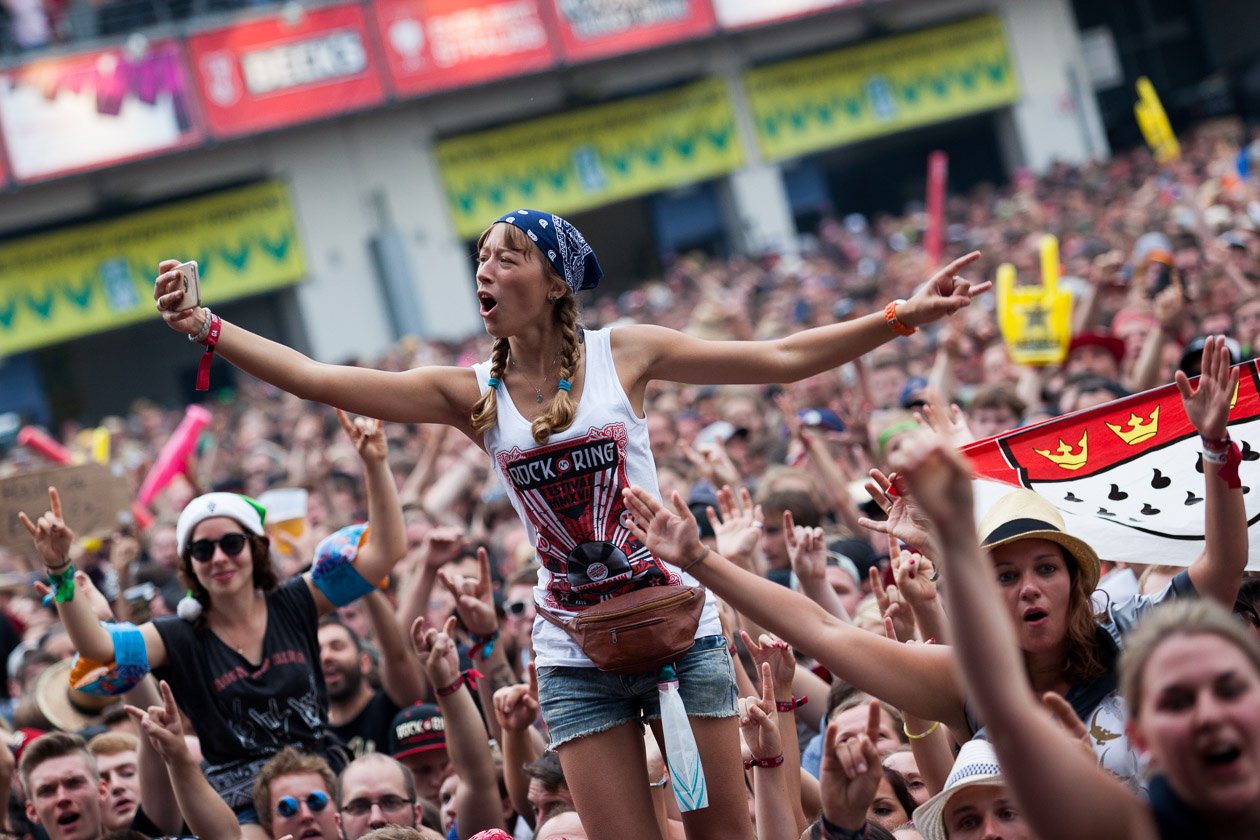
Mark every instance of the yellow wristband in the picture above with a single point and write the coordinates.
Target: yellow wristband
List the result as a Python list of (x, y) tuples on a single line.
[(921, 736)]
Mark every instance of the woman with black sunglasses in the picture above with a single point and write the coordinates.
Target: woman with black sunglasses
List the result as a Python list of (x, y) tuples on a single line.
[(243, 662)]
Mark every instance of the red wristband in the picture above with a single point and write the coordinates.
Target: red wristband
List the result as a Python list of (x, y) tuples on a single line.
[(791, 705), (468, 677), (212, 339), (763, 762)]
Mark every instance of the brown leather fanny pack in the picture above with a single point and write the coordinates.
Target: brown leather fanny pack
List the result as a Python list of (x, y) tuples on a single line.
[(636, 632)]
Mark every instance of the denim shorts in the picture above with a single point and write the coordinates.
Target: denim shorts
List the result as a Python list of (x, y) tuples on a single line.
[(584, 701)]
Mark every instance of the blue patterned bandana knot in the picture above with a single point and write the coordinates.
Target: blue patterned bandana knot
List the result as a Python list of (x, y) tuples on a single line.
[(562, 244)]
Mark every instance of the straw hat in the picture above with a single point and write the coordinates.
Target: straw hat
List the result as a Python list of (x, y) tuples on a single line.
[(64, 707), (976, 765), (1023, 515)]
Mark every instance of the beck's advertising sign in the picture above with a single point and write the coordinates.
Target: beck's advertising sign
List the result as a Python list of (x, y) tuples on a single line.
[(286, 69)]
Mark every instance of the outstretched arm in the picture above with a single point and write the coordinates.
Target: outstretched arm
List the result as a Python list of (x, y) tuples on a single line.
[(660, 353), (1063, 792), (1217, 572), (921, 680), (422, 395)]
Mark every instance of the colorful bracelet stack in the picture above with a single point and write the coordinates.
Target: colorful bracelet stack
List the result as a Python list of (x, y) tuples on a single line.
[(791, 705), (777, 761), (483, 646)]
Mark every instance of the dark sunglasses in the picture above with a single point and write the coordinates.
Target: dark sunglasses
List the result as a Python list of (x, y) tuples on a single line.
[(389, 803), (516, 608), (232, 545), (288, 806)]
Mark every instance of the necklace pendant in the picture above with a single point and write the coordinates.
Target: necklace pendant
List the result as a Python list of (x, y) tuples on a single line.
[(538, 398)]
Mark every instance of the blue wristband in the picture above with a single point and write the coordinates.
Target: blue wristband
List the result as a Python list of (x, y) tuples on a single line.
[(333, 571), (130, 665)]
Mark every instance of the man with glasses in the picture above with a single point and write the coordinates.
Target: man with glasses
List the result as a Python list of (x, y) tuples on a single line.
[(293, 795), (375, 791)]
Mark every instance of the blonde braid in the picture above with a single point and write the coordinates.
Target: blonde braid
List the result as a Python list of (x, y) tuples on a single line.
[(561, 410), (485, 410)]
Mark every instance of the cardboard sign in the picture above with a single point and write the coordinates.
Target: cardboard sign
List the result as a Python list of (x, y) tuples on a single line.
[(1036, 321), (93, 501)]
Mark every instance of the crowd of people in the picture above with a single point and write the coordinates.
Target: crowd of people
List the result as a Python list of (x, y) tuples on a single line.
[(772, 441)]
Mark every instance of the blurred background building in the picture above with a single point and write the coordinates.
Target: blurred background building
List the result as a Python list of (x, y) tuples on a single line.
[(331, 164)]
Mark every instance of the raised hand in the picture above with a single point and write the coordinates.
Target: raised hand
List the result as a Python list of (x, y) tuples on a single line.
[(940, 478), (915, 576), (367, 435), (1207, 405), (738, 528), (436, 651), (776, 654), (474, 601), (440, 545), (52, 536), (516, 706), (84, 588), (1073, 727), (671, 535), (954, 426), (759, 719), (712, 462), (162, 726), (892, 605), (807, 550), (850, 773), (905, 520)]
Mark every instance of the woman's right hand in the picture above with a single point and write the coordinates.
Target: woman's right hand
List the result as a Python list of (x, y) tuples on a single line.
[(672, 536), (52, 536), (167, 291)]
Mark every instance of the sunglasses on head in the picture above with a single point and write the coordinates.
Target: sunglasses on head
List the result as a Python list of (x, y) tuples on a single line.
[(232, 545), (288, 806)]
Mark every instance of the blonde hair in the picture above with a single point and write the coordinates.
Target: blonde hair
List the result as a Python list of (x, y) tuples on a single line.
[(1182, 617), (561, 410)]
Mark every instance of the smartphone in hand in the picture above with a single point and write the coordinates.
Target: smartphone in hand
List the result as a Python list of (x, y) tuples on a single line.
[(191, 282)]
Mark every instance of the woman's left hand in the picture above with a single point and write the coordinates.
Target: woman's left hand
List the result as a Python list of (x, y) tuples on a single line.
[(1207, 406), (367, 435), (773, 653), (672, 536), (943, 295)]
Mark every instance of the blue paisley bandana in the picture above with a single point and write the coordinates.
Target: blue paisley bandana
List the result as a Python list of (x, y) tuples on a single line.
[(562, 244)]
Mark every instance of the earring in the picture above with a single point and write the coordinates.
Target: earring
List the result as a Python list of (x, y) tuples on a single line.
[(552, 298)]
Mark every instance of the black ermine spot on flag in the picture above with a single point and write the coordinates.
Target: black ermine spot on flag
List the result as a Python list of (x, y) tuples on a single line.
[(1105, 512), (1198, 465), (1160, 481), (1071, 497), (1116, 494), (1249, 454), (1192, 499), (1147, 510)]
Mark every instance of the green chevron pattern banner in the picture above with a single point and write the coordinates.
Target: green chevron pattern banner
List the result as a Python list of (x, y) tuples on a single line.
[(879, 87), (591, 157), (95, 277)]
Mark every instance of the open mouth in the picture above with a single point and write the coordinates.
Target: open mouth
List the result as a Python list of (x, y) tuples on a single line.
[(1221, 756), (1033, 616), (68, 819), (488, 303), (311, 832)]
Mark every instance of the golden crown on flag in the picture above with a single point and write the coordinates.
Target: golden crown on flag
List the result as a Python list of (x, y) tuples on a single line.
[(1138, 431), (1066, 458)]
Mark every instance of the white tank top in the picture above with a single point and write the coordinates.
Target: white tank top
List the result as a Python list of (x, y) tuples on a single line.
[(568, 493)]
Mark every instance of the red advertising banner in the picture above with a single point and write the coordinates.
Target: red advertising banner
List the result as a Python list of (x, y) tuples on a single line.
[(286, 69), (737, 14), (590, 29), (73, 113), (431, 45)]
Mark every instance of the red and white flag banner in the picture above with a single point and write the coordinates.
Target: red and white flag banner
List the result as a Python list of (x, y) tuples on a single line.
[(1126, 475)]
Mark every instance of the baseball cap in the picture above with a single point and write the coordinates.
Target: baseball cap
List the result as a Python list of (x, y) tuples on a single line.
[(912, 395), (417, 729)]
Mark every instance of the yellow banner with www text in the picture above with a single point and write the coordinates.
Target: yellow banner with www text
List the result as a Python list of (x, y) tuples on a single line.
[(98, 276), (823, 101), (591, 157)]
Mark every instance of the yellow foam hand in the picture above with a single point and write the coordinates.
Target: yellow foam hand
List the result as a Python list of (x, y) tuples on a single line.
[(1153, 121), (1035, 320)]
